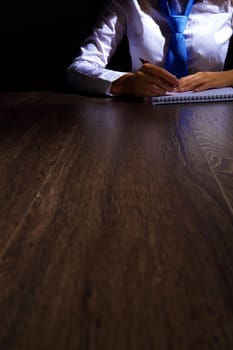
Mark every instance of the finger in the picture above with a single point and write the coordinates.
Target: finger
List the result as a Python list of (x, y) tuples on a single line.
[(144, 88), (155, 80), (189, 83), (202, 87), (196, 82), (152, 90), (158, 72)]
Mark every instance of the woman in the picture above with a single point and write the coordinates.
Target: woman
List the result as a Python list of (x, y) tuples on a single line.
[(207, 34)]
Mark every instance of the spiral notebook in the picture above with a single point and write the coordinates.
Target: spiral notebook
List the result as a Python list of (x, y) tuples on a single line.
[(222, 94)]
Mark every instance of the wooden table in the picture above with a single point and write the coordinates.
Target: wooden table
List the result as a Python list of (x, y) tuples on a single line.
[(116, 224)]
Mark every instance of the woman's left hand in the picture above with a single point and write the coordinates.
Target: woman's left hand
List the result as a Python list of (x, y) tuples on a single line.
[(206, 80)]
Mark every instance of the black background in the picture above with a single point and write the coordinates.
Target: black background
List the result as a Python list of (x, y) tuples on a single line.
[(40, 38)]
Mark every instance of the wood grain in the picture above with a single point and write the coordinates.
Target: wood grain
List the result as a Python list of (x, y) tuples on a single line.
[(34, 133), (123, 229), (213, 130)]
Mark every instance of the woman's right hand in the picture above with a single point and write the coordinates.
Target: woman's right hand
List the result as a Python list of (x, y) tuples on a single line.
[(149, 80)]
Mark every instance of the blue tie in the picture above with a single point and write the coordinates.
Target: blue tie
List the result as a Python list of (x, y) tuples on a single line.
[(176, 60)]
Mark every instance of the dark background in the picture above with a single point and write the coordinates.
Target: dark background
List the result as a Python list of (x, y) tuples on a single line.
[(38, 40)]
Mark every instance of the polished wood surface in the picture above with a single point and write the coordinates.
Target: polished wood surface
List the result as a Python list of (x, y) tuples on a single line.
[(116, 224)]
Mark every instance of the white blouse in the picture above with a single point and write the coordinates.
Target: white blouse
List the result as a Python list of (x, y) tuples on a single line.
[(207, 34)]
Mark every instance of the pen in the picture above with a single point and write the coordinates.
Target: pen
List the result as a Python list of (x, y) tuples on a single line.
[(143, 61)]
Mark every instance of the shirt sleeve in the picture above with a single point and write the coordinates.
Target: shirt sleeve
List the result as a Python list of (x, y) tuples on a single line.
[(88, 72)]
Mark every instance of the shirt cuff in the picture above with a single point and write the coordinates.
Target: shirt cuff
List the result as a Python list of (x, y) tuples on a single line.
[(99, 83)]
